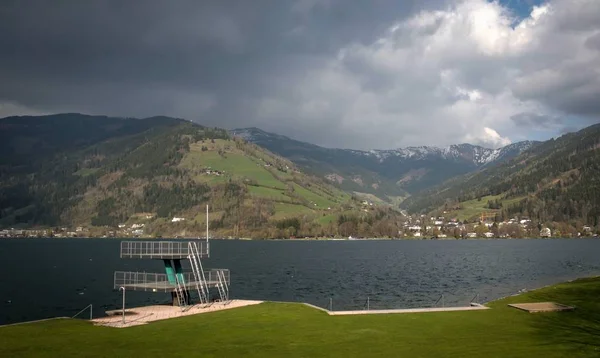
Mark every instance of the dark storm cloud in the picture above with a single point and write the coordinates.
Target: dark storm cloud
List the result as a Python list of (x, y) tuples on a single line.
[(304, 68), (534, 120), (64, 47), (545, 123), (145, 58), (569, 129)]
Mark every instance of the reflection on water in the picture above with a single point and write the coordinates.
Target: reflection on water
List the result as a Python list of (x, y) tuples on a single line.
[(58, 277)]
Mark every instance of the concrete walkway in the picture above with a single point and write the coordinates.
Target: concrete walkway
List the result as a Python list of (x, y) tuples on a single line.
[(142, 315), (410, 310), (473, 307)]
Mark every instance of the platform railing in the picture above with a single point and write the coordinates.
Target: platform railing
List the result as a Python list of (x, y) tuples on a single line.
[(160, 249), (148, 281), (212, 275), (142, 281)]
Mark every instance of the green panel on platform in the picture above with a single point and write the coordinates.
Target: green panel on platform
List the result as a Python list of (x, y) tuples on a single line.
[(179, 270), (170, 272)]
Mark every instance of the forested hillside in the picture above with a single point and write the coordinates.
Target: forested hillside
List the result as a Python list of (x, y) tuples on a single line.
[(156, 175), (556, 181)]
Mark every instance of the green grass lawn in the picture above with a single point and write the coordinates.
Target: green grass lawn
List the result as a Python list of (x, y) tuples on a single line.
[(334, 195), (283, 210), (473, 208), (267, 193), (313, 198), (233, 164), (294, 330), (327, 219)]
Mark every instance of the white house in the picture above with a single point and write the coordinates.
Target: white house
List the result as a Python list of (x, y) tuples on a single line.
[(176, 219), (545, 232)]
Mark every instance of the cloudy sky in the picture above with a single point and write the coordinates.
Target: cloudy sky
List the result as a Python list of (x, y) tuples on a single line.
[(353, 74)]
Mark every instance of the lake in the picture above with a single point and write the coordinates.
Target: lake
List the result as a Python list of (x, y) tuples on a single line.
[(58, 277)]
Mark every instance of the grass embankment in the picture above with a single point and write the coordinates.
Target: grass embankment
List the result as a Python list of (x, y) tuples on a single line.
[(237, 164), (268, 193), (223, 156), (472, 209), (283, 210), (294, 330)]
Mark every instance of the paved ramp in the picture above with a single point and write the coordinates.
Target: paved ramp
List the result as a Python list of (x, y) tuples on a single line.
[(144, 315)]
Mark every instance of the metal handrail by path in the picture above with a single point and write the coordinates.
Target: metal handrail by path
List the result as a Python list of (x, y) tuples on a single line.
[(330, 304), (367, 304), (374, 304), (438, 301), (86, 307)]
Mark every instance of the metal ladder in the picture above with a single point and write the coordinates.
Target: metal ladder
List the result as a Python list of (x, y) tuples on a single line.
[(222, 286), (198, 272), (180, 293)]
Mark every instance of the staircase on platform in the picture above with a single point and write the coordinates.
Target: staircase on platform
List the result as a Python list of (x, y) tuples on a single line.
[(180, 293), (198, 272), (222, 286)]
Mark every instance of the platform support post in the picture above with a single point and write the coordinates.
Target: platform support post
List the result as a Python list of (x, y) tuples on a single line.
[(123, 288)]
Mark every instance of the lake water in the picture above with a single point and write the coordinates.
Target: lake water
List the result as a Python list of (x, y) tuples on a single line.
[(43, 278)]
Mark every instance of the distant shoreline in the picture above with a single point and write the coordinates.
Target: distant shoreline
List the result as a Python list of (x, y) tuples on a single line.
[(295, 239)]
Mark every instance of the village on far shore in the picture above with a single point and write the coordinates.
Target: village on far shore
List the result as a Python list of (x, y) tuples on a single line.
[(415, 227)]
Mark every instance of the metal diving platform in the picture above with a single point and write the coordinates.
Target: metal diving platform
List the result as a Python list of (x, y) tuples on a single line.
[(174, 279)]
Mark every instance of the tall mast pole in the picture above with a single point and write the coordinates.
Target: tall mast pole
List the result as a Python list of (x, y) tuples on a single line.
[(207, 229)]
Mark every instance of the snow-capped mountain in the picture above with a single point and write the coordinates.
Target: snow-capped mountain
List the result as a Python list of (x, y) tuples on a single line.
[(478, 155), (385, 171), (464, 152)]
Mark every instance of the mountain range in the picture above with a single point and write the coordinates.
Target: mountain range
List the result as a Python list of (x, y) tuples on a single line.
[(155, 176), (384, 173), (556, 181), (158, 173)]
